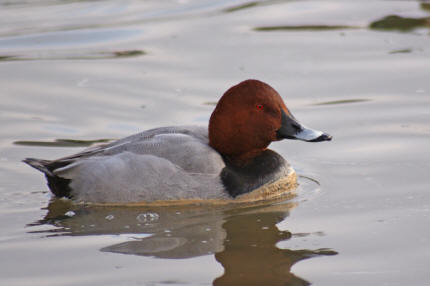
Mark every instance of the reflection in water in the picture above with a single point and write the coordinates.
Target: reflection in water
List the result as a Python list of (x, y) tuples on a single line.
[(242, 238), (250, 255)]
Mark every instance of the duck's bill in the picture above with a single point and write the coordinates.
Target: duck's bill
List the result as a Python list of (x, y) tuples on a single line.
[(311, 135), (291, 129)]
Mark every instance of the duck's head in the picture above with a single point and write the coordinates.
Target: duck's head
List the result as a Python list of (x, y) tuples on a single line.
[(249, 116)]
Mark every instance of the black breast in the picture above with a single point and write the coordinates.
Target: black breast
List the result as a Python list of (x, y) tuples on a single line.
[(265, 168)]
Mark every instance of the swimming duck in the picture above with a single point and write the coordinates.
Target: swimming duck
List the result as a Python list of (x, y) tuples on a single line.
[(224, 161)]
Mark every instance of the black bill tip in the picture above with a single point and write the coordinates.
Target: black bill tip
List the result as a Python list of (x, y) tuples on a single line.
[(322, 137)]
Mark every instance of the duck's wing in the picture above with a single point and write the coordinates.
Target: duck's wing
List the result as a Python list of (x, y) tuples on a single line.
[(186, 147), (156, 141), (145, 142), (177, 157)]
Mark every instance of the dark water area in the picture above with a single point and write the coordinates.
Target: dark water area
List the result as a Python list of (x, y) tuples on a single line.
[(77, 73)]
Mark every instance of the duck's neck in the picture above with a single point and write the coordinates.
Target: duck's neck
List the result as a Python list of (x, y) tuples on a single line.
[(246, 173), (244, 159)]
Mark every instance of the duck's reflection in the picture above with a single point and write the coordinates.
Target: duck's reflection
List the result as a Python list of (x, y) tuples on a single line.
[(250, 255), (243, 239)]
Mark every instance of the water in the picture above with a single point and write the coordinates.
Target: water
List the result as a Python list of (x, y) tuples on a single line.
[(72, 72)]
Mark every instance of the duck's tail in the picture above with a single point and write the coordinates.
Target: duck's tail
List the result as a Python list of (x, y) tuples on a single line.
[(58, 186), (39, 164)]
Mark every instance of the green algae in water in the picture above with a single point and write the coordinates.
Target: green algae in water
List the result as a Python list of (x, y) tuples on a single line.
[(341, 101), (62, 143), (403, 51), (394, 22), (241, 7), (303, 28), (8, 58), (71, 55), (212, 103), (132, 53), (425, 6)]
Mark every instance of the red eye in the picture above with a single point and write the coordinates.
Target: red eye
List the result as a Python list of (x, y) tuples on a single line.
[(259, 106)]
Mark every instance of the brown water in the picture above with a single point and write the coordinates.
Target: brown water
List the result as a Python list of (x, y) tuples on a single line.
[(76, 71)]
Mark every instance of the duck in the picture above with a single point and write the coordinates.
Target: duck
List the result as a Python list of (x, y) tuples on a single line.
[(224, 161)]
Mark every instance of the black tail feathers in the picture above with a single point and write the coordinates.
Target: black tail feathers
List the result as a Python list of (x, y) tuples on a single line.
[(39, 164), (58, 186)]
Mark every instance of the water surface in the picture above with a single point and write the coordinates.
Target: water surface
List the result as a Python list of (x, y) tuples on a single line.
[(73, 73)]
